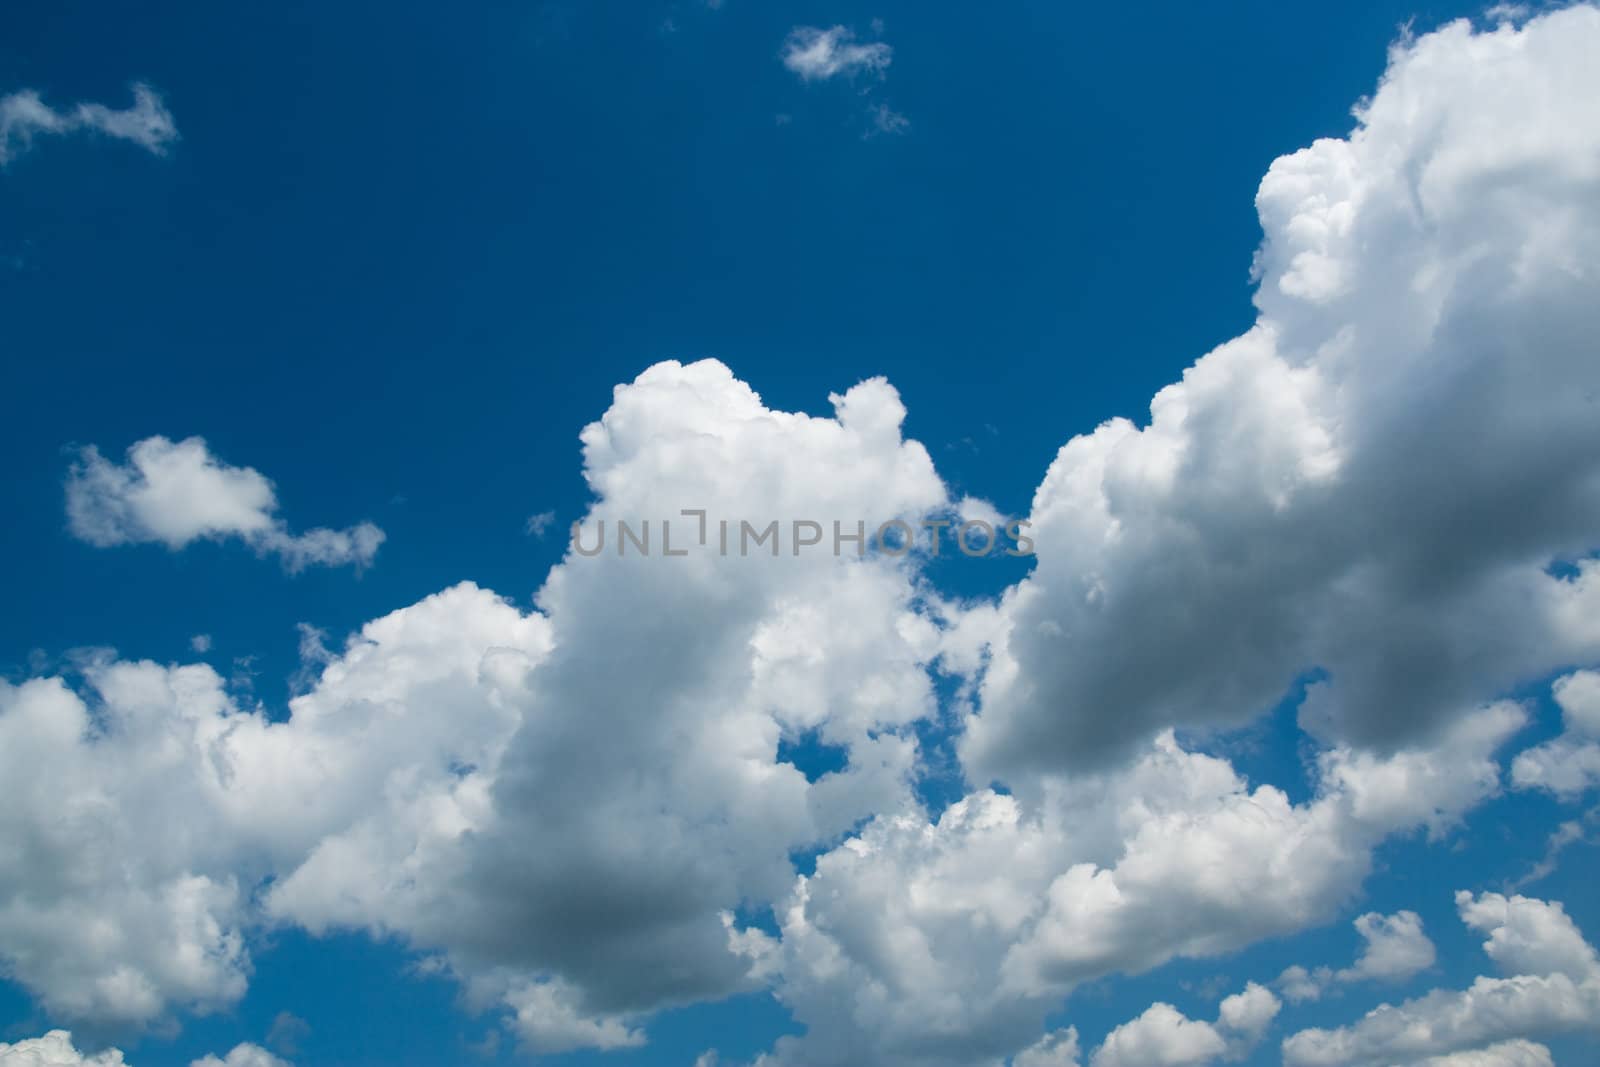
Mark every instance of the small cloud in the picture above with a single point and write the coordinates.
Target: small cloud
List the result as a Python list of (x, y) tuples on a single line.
[(820, 55), (24, 116), (176, 493), (539, 524), (817, 54), (884, 119), (1501, 13), (244, 674), (314, 656), (201, 643), (976, 509), (287, 1032)]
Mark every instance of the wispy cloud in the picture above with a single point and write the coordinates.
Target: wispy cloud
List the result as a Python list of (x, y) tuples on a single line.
[(24, 115), (817, 54), (885, 119)]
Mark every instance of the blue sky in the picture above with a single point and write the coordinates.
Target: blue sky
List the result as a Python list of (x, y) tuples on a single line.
[(396, 259)]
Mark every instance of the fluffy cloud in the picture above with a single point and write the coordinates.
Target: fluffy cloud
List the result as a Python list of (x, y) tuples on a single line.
[(245, 1055), (1161, 1037), (949, 942), (1056, 1049), (1553, 987), (56, 1049), (177, 493), (1528, 936), (1570, 764), (817, 54), (149, 805), (24, 116), (1164, 1037), (1394, 949), (1372, 482), (566, 835), (577, 810), (1504, 1054)]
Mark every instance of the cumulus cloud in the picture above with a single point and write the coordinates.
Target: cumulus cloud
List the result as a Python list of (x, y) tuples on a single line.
[(151, 804), (1505, 1054), (1368, 487), (176, 493), (567, 839), (1569, 765), (573, 809), (1161, 1037), (817, 54), (949, 942), (1164, 1037), (245, 1055), (1058, 1048), (1394, 949), (1529, 936), (660, 781), (1553, 987), (56, 1049), (24, 116)]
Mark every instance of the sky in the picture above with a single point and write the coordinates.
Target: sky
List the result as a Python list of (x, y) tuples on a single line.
[(1271, 328)]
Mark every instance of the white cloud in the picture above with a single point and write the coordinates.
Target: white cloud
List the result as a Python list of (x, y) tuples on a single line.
[(565, 808), (885, 119), (200, 644), (176, 493), (1372, 482), (1394, 949), (549, 1019), (660, 782), (817, 54), (1505, 1054), (1248, 1013), (918, 943), (1164, 1037), (151, 804), (1569, 765), (55, 1049), (1529, 936), (245, 1055), (1161, 1037), (1058, 1048), (1298, 984), (24, 116), (1553, 988)]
